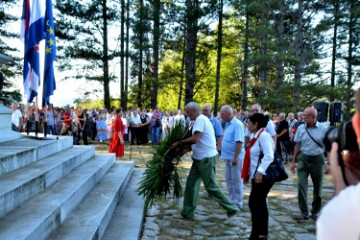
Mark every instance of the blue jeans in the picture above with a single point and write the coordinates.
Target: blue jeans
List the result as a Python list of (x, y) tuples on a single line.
[(155, 134), (50, 129)]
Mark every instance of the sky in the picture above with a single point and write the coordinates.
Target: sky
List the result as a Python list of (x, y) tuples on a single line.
[(66, 90)]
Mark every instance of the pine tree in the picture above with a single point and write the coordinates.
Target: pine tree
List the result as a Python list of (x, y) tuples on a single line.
[(12, 71), (83, 27)]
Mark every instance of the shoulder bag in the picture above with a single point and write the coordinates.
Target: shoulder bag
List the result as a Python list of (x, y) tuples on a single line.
[(313, 138), (276, 171), (315, 141)]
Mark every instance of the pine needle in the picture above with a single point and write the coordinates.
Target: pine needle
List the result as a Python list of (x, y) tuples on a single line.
[(161, 177)]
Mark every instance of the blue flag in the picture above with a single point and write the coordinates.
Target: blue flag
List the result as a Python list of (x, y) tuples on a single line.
[(32, 32), (50, 54)]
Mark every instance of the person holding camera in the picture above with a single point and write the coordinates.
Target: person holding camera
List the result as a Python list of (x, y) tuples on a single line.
[(340, 218), (309, 160)]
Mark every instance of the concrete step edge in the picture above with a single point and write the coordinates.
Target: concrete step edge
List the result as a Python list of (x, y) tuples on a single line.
[(21, 152), (90, 219), (22, 184), (41, 215), (130, 212)]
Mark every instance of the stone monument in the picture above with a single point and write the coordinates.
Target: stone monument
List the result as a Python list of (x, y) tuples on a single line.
[(6, 134)]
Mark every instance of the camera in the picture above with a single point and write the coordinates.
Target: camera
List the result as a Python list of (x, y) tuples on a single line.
[(344, 136)]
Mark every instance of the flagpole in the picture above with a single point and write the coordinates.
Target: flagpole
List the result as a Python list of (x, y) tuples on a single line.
[(36, 116), (45, 119), (27, 118)]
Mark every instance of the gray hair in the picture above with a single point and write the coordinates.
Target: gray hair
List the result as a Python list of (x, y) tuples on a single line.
[(193, 106), (207, 106), (282, 115), (257, 106), (227, 108)]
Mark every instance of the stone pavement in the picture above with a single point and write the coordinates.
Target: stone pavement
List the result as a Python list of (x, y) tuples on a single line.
[(160, 222)]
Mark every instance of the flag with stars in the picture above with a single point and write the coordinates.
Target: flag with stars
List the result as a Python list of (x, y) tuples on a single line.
[(31, 34), (49, 84)]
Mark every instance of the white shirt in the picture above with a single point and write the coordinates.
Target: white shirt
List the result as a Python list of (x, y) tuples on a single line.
[(340, 218), (179, 118), (264, 144), (307, 145), (126, 124), (149, 115), (269, 128), (206, 146), (167, 121), (15, 117), (136, 120)]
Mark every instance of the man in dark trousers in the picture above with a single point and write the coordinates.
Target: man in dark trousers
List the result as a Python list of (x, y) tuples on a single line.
[(282, 137), (309, 155)]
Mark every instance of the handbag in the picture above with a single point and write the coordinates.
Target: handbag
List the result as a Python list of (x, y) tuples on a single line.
[(276, 171)]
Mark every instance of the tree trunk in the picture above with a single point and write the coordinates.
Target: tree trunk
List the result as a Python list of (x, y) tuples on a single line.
[(298, 53), (218, 62), (350, 60), (263, 55), (156, 34), (127, 53), (280, 61), (105, 57), (334, 44), (182, 72), (122, 55), (246, 64), (191, 43), (140, 69)]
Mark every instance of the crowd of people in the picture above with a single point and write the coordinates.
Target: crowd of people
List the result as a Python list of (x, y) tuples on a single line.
[(245, 142)]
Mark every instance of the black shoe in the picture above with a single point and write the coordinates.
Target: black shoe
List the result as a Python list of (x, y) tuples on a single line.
[(314, 216), (302, 218)]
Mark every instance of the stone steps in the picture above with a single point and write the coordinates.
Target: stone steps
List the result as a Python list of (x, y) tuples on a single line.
[(22, 184), (91, 218), (40, 216), (21, 152), (51, 189), (127, 220)]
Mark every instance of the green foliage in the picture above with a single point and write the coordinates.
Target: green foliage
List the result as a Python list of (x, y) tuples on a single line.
[(12, 71), (82, 31), (161, 176), (87, 104)]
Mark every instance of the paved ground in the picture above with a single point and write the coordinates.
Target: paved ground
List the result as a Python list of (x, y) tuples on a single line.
[(209, 221)]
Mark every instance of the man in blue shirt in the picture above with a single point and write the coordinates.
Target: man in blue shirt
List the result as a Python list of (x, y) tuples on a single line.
[(233, 152), (207, 111)]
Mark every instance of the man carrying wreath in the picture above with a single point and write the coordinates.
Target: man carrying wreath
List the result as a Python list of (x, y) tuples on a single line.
[(204, 156)]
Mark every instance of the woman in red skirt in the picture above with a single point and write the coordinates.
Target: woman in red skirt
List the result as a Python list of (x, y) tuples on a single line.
[(117, 140)]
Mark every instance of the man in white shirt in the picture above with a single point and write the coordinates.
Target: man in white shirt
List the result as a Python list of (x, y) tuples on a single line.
[(256, 108), (135, 127), (16, 118), (179, 117), (204, 155)]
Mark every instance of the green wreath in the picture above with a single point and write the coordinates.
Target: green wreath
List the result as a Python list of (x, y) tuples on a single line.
[(161, 176)]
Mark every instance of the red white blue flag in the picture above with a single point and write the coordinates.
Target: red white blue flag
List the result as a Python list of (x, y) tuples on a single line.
[(50, 55), (32, 32)]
